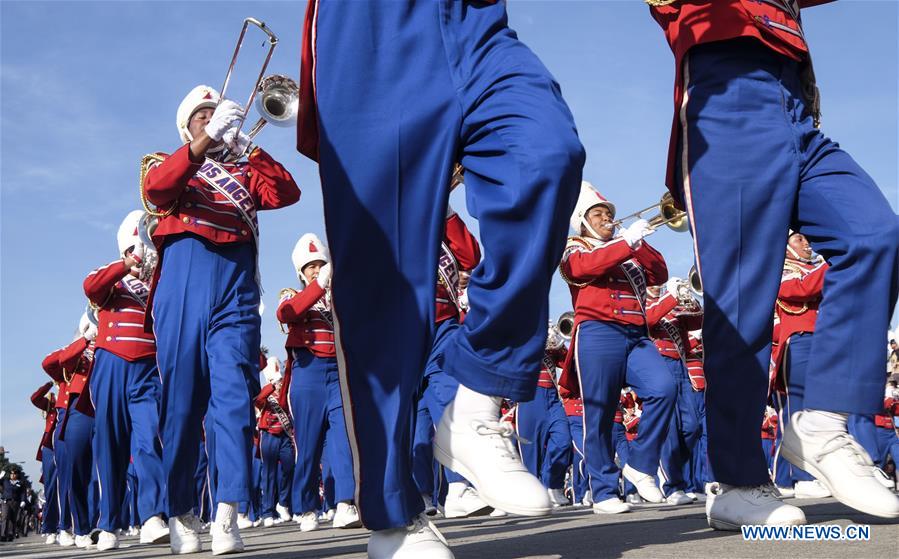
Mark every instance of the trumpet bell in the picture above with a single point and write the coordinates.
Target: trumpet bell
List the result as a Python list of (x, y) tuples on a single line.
[(565, 325), (670, 215), (278, 100), (695, 282)]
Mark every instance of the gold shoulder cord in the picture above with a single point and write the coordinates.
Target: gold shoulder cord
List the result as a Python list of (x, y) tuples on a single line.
[(660, 2), (783, 306), (562, 273), (149, 161)]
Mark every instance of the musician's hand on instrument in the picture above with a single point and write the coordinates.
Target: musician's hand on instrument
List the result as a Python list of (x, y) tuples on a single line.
[(91, 333), (324, 276), (226, 115), (673, 286), (238, 144), (635, 233)]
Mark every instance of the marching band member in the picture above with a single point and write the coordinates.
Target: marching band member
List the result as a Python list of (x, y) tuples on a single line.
[(275, 445), (624, 431), (769, 436), (313, 389), (125, 390), (69, 367), (542, 422), (698, 469), (675, 314), (580, 482), (797, 310), (459, 253), (44, 400), (484, 97), (607, 276), (745, 176), (205, 303)]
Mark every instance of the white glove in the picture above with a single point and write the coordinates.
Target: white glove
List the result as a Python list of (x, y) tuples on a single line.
[(635, 233), (236, 145), (2, 474), (673, 286), (450, 212), (91, 333), (139, 251), (324, 276), (225, 116)]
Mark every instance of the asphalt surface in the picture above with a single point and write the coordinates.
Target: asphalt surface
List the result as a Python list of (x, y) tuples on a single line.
[(648, 532)]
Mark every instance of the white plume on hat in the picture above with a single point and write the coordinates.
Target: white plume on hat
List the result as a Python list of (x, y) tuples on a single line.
[(272, 370), (127, 235), (308, 249), (84, 323), (587, 199), (200, 97)]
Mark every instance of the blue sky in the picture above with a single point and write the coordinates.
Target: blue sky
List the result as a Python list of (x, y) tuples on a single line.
[(90, 87)]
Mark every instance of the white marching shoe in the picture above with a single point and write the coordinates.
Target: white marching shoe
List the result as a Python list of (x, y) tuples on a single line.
[(283, 514), (225, 531), (308, 521), (785, 492), (154, 531), (430, 509), (462, 501), (51, 539), (588, 498), (557, 498), (884, 479), (498, 513), (694, 496), (612, 505), (66, 539), (678, 498), (419, 540), (244, 522), (184, 534), (83, 542), (471, 440), (107, 540), (268, 522), (812, 489), (835, 458), (728, 507), (634, 499), (347, 516), (646, 484), (327, 516)]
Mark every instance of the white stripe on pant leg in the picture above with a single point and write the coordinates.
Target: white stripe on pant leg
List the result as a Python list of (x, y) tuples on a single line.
[(685, 161), (347, 402)]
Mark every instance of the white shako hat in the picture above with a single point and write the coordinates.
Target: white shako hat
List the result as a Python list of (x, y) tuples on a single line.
[(308, 249), (127, 235), (272, 371), (200, 97), (588, 198)]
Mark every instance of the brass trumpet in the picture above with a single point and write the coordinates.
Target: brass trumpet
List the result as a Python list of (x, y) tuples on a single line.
[(285, 293), (695, 282), (560, 331), (667, 214)]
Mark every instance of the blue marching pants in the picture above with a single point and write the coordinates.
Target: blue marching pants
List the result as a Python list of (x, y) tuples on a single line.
[(453, 83), (328, 500), (201, 482), (623, 450), (206, 321), (74, 462), (756, 167), (878, 442), (698, 466), (543, 424), (683, 432), (768, 448), (317, 409), (277, 471), (130, 507), (796, 355), (422, 451), (579, 477), (126, 397), (50, 514), (608, 356)]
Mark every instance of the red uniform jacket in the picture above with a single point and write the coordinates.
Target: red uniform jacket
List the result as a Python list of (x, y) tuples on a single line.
[(70, 366), (268, 419), (884, 419), (465, 250), (600, 289), (573, 406), (552, 358), (309, 327), (797, 307), (43, 400), (769, 427), (628, 404), (684, 320), (121, 314), (687, 23)]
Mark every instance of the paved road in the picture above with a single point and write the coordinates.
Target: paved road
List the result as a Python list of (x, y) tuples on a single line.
[(649, 532)]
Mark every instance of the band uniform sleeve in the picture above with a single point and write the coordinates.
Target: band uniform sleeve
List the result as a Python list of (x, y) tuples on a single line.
[(52, 367), (653, 264), (39, 398), (292, 310), (657, 310), (99, 284), (272, 184), (165, 182), (806, 288), (588, 265), (267, 390), (463, 244), (71, 354)]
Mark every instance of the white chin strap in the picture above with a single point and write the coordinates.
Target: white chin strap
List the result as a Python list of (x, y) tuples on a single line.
[(795, 255), (589, 228)]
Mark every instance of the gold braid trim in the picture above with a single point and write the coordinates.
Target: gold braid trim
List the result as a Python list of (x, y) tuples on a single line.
[(659, 2), (783, 306), (148, 162)]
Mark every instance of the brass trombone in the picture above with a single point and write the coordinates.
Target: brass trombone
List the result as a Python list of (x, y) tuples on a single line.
[(668, 214)]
